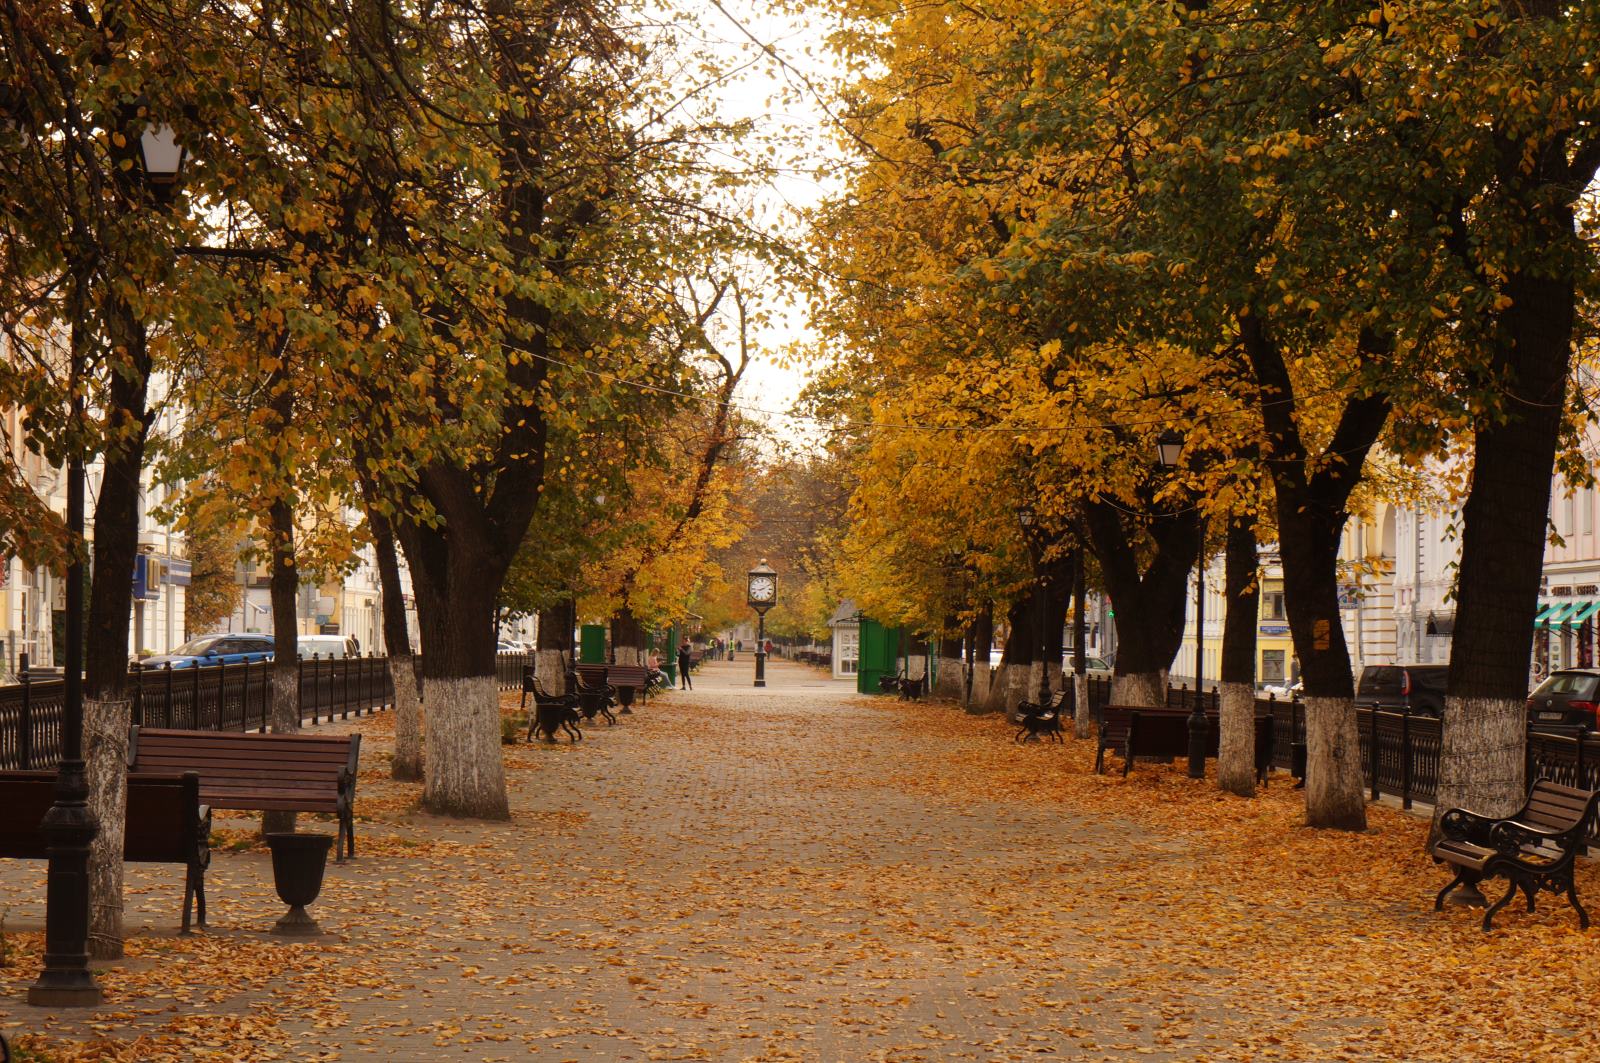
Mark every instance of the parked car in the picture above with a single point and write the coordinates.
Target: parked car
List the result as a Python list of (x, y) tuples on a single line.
[(1569, 697), (222, 648), (507, 646), (1095, 665), (1418, 688), (325, 646)]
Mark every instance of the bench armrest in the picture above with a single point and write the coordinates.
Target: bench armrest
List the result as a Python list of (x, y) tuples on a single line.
[(1462, 825), (1510, 835)]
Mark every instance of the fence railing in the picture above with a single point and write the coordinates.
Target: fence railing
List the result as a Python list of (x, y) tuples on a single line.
[(219, 697), (1400, 751)]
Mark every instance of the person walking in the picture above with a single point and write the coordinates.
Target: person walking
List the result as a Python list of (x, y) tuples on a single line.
[(683, 666)]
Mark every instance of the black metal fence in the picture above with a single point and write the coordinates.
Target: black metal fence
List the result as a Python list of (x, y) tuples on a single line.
[(221, 697), (508, 669), (1400, 751)]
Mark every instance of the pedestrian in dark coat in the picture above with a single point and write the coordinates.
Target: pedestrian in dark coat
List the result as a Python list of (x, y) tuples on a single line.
[(683, 666)]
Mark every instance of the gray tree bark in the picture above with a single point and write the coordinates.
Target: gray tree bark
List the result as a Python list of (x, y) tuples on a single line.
[(1141, 689), (466, 776), (1335, 789), (105, 753), (1236, 752), (285, 642)]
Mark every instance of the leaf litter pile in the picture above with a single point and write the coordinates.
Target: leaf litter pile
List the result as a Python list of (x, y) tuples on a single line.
[(728, 876)]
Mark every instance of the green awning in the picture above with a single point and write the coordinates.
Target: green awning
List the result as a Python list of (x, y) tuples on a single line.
[(1558, 614), (1545, 609), (1578, 615)]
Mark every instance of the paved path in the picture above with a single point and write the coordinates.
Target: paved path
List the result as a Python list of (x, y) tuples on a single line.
[(800, 873)]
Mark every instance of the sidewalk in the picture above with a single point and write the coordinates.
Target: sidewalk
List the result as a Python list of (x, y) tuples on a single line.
[(801, 873)]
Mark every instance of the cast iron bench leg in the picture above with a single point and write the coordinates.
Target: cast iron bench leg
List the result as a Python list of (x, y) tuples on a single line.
[(1572, 898), (1438, 902), (1488, 917)]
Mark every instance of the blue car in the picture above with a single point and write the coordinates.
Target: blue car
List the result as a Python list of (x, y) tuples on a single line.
[(224, 648)]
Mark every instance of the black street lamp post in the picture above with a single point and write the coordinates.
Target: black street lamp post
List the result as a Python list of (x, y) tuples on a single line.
[(1169, 447), (762, 595), (68, 827)]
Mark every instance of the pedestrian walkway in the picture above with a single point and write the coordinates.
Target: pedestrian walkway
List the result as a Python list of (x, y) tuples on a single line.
[(801, 873), (785, 679)]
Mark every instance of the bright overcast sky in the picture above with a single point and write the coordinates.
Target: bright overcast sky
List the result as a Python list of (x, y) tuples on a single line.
[(774, 92)]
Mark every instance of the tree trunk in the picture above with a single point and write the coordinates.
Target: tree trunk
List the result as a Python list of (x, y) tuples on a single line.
[(1150, 604), (1236, 753), (407, 763), (1016, 660), (105, 754), (555, 646), (982, 639), (627, 638), (107, 704), (1482, 757), (285, 588), (1083, 718), (455, 588), (1312, 499), (1139, 689), (951, 678)]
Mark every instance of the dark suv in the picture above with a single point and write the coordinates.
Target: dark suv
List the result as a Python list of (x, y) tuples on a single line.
[(1418, 688), (1567, 699)]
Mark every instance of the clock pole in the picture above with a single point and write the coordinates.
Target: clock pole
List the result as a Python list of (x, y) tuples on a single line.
[(761, 648), (762, 594)]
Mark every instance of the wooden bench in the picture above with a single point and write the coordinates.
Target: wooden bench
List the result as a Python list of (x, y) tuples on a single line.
[(166, 824), (1534, 850), (595, 695), (628, 680), (260, 772), (1139, 731)]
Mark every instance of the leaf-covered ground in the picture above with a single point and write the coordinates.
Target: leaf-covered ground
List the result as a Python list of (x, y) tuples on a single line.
[(804, 874)]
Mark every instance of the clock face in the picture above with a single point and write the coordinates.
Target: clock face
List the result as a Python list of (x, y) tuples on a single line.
[(763, 589)]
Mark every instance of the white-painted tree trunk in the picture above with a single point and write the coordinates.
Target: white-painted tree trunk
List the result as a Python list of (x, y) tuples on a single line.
[(951, 677), (1236, 754), (551, 668), (105, 753), (630, 655), (1482, 758), (407, 764), (465, 775), (1142, 689), (1006, 688), (982, 676), (1335, 790), (285, 720), (1083, 722)]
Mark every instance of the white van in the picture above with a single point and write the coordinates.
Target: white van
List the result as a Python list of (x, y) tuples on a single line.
[(324, 647)]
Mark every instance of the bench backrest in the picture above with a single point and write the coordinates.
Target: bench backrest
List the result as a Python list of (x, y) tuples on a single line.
[(249, 770), (593, 675), (1115, 718), (636, 676), (1164, 731), (163, 817), (1554, 807)]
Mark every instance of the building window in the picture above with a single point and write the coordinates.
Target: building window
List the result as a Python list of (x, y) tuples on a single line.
[(1272, 600), (1272, 662), (849, 651)]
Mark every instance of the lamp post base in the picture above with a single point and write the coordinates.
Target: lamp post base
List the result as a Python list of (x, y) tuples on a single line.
[(68, 829), (1198, 726)]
